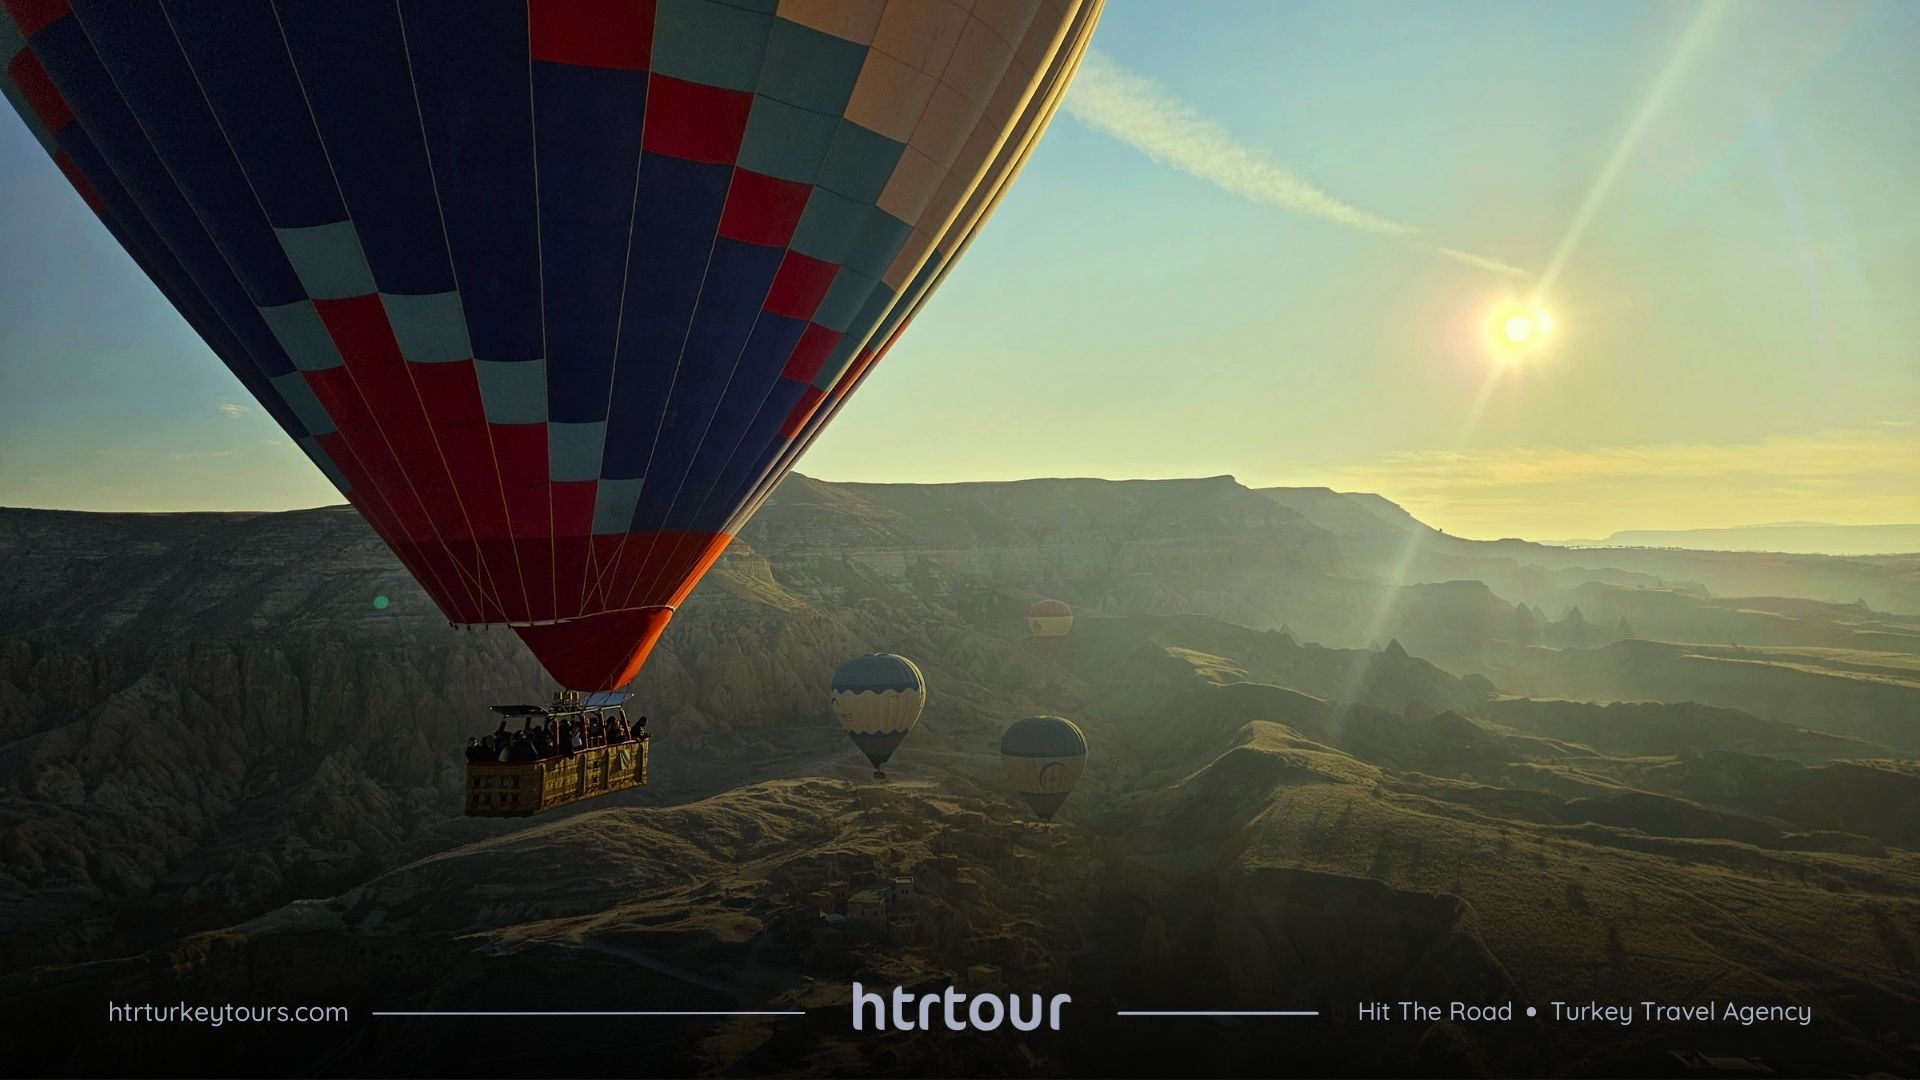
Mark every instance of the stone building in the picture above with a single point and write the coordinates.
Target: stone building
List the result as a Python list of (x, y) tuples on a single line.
[(867, 911), (903, 929)]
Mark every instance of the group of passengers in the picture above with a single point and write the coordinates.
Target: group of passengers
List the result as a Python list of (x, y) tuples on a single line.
[(558, 737)]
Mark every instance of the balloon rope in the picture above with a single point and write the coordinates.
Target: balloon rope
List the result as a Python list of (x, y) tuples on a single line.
[(377, 490)]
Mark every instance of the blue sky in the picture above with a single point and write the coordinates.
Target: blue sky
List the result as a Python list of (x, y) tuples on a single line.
[(1184, 281)]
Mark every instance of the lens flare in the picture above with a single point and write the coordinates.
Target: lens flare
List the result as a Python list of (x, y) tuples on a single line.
[(1516, 331)]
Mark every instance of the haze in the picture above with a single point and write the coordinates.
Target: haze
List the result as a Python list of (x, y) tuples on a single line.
[(1263, 241)]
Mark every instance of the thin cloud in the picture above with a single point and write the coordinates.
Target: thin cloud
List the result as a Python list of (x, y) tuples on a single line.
[(1857, 475), (1484, 262), (1141, 113), (233, 408), (1830, 455)]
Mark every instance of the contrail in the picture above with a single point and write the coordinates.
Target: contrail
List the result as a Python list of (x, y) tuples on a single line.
[(1141, 113)]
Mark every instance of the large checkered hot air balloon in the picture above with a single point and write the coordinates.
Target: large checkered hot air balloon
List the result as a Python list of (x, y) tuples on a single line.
[(555, 291)]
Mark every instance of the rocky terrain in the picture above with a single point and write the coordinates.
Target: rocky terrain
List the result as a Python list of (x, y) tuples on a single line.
[(1336, 755)]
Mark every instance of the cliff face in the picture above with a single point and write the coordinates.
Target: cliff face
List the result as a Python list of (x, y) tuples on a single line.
[(204, 713), (1382, 538), (1125, 547)]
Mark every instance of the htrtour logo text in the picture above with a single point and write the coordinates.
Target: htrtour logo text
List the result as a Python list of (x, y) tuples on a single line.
[(958, 1011)]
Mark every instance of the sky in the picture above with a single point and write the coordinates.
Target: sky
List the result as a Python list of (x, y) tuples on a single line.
[(1266, 240)]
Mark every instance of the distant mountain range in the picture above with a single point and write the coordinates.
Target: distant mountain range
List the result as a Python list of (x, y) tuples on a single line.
[(1789, 537)]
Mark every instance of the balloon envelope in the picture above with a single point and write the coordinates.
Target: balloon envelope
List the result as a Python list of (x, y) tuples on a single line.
[(554, 293), (1043, 756), (877, 699), (1049, 619)]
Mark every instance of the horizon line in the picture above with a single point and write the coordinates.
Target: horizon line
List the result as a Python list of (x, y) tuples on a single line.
[(1557, 541)]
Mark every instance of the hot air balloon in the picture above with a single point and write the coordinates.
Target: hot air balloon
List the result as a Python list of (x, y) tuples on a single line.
[(1050, 620), (1043, 756), (877, 698), (554, 292)]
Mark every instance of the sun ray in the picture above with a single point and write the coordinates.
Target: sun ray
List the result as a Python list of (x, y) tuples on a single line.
[(1651, 106), (1410, 548)]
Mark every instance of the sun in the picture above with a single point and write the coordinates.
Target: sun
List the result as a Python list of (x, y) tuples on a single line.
[(1515, 331)]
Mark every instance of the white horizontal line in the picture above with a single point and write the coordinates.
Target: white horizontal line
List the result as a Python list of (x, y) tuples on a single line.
[(793, 1012), (1211, 1012)]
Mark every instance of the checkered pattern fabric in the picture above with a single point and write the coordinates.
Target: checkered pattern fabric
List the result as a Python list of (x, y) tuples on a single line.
[(554, 291)]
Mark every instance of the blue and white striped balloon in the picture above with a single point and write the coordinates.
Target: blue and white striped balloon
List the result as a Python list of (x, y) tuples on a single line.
[(877, 699)]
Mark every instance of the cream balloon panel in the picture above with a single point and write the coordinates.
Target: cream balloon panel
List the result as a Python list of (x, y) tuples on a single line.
[(1045, 775), (1056, 57), (1050, 626), (870, 712), (949, 79)]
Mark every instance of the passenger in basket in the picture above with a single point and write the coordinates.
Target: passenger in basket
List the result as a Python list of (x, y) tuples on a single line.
[(520, 749)]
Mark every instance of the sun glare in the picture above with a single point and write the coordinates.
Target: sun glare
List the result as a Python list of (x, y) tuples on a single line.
[(1515, 331)]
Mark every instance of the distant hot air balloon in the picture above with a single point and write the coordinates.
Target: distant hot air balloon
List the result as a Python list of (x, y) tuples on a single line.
[(877, 698), (554, 292), (1043, 756), (1050, 620)]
